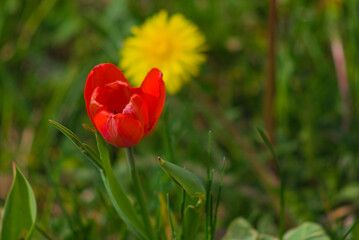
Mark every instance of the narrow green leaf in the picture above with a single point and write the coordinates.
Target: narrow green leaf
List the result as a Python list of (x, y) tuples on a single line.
[(68, 133), (350, 229), (89, 128), (102, 161), (92, 154), (209, 207), (209, 211), (174, 235), (89, 152), (282, 181), (117, 195), (307, 231), (184, 178), (20, 209)]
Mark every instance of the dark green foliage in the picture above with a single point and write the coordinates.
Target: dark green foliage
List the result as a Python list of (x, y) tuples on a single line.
[(47, 48)]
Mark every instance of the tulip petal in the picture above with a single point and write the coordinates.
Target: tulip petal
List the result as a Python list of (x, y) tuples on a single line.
[(120, 130), (115, 96), (122, 114), (94, 106), (112, 97), (154, 93), (137, 108), (101, 75)]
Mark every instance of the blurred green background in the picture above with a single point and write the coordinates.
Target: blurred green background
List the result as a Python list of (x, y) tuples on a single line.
[(47, 48)]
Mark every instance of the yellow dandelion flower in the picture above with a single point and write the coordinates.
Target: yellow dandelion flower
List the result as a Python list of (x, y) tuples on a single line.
[(172, 44)]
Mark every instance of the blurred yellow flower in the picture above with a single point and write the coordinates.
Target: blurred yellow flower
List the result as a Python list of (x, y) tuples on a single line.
[(172, 44), (334, 3)]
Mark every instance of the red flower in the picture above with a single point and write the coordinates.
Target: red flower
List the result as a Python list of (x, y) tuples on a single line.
[(121, 113)]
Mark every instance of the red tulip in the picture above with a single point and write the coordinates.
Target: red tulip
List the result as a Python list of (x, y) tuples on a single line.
[(121, 113)]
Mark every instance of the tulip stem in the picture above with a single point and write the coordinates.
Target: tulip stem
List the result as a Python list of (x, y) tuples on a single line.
[(139, 192)]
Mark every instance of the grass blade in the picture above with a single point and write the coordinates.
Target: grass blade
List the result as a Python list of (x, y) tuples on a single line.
[(282, 187)]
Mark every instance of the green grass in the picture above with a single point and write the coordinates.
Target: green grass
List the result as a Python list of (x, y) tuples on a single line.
[(47, 48)]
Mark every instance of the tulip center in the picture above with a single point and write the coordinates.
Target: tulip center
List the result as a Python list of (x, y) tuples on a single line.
[(115, 96)]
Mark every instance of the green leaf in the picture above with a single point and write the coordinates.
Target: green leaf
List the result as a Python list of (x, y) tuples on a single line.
[(20, 209), (184, 178), (282, 181), (92, 154), (266, 237), (193, 186), (241, 229), (68, 133), (89, 152), (117, 195), (307, 231), (89, 128)]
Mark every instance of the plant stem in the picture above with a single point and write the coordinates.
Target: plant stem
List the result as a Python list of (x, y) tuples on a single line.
[(282, 186), (218, 198), (270, 79), (281, 191), (208, 205), (281, 211), (168, 136), (139, 192), (270, 84), (182, 212), (174, 237)]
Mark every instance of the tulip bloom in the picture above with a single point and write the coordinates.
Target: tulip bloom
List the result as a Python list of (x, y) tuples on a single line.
[(121, 113)]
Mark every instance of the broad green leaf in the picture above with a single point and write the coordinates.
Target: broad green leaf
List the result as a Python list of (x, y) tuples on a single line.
[(349, 192), (240, 229), (266, 237), (20, 209), (307, 231), (184, 178), (117, 195), (89, 152)]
